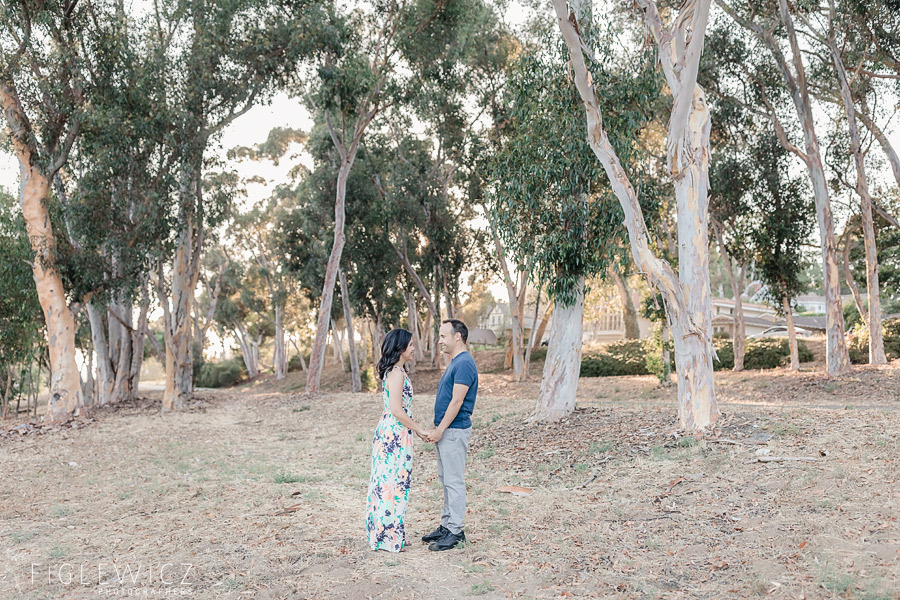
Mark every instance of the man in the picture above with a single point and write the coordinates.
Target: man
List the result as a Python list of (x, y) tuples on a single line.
[(453, 407)]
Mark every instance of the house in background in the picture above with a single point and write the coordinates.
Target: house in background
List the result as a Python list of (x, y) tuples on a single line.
[(757, 317)]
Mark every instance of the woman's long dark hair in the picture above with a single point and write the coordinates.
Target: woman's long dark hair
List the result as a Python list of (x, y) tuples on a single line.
[(395, 343)]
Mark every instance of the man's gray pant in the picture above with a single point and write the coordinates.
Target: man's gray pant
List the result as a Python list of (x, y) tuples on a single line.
[(451, 459)]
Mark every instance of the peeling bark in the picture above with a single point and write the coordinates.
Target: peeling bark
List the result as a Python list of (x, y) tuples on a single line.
[(687, 294), (65, 398), (873, 288), (562, 368)]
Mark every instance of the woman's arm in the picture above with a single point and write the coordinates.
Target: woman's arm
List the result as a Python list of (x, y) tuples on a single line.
[(395, 398)]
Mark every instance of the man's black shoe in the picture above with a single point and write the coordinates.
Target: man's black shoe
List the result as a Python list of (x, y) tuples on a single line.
[(448, 541), (436, 534)]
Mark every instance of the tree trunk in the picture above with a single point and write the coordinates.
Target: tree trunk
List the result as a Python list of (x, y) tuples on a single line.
[(137, 341), (562, 367), (848, 274), (105, 376), (338, 346), (355, 379), (299, 354), (412, 319), (738, 334), (629, 313), (837, 358), (65, 382), (120, 347), (530, 344), (792, 333), (280, 359), (873, 287), (516, 332), (248, 353), (687, 294), (179, 350), (539, 336)]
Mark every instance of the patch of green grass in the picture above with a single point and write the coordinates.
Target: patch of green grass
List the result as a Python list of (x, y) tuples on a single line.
[(360, 437), (486, 453), (600, 448), (60, 511), (687, 442), (582, 468), (232, 584), (498, 528), (59, 552), (478, 589), (300, 409), (427, 447), (830, 387), (286, 477), (659, 453), (473, 568), (125, 495), (390, 563), (18, 537)]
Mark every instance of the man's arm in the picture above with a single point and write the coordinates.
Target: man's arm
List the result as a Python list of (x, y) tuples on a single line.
[(456, 402)]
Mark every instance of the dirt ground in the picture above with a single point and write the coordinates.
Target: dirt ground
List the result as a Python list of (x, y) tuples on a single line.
[(259, 492)]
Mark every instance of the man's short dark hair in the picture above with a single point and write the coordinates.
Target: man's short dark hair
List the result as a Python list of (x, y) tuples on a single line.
[(460, 328)]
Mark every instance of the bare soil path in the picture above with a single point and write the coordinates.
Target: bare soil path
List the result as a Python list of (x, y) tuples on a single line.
[(259, 492)]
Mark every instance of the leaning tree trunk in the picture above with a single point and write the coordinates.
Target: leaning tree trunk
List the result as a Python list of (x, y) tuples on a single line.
[(65, 381), (738, 334), (355, 379), (412, 319), (873, 287), (848, 275), (530, 343), (836, 357), (792, 333), (563, 365), (247, 350), (516, 352), (629, 313), (687, 294), (539, 336), (280, 359), (137, 342)]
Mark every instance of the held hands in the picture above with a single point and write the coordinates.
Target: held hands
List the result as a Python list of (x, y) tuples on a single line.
[(430, 435)]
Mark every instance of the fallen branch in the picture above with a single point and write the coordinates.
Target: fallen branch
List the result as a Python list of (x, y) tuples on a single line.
[(768, 459)]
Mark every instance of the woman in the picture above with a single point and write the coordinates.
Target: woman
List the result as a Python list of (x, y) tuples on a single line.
[(392, 447)]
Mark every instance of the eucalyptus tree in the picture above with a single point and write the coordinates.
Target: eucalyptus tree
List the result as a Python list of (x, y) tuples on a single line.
[(786, 221), (768, 74), (358, 78), (686, 294), (113, 194), (549, 199), (222, 59), (849, 59), (42, 92)]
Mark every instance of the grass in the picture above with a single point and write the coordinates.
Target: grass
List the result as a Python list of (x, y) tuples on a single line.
[(60, 511), (284, 476), (600, 448), (486, 453), (478, 589)]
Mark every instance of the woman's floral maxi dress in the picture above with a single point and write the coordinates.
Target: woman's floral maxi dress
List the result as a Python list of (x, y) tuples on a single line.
[(392, 451)]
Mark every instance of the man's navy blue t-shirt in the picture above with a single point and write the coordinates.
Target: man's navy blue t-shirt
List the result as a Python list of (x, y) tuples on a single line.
[(462, 370)]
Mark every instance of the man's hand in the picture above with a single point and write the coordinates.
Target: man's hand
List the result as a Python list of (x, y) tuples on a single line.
[(424, 434), (434, 436)]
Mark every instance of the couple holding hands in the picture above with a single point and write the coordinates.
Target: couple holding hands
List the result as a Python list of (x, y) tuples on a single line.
[(392, 445)]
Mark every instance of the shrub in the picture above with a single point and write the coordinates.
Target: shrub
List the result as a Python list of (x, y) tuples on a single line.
[(762, 353), (858, 341), (294, 364), (539, 354), (627, 357), (368, 379), (222, 374)]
